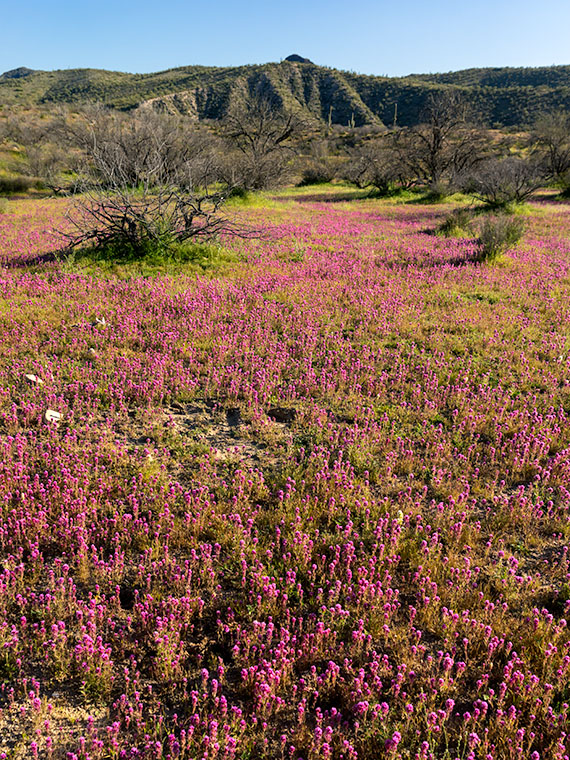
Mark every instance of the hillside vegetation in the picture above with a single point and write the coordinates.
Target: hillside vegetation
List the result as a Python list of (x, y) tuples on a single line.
[(504, 97)]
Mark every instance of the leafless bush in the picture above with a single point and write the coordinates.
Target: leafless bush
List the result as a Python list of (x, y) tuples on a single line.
[(136, 223), (128, 150), (551, 135), (377, 164), (500, 183), (144, 184)]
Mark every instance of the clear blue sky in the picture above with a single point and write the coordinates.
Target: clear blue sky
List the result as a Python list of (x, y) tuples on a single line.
[(369, 36)]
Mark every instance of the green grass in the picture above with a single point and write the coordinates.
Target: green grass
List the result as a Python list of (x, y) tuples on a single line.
[(188, 258), (250, 199)]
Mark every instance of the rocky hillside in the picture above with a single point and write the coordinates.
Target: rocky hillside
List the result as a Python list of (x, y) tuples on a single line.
[(504, 97)]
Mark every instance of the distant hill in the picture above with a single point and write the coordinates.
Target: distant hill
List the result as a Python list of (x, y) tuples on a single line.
[(505, 97)]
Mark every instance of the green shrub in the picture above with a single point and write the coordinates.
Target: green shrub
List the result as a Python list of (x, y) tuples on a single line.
[(437, 192), (498, 234), (238, 193), (9, 185), (457, 224), (317, 173)]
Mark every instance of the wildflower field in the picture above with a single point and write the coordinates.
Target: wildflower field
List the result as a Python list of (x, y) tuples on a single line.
[(308, 500)]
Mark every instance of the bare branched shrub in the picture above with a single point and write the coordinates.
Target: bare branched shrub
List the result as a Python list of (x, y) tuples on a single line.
[(143, 185), (377, 164), (135, 223), (500, 183), (145, 148)]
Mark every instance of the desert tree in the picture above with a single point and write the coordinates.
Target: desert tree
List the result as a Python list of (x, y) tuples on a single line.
[(445, 145), (263, 135), (551, 136), (377, 163)]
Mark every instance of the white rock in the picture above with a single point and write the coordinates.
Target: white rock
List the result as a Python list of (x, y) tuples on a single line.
[(53, 417), (34, 379)]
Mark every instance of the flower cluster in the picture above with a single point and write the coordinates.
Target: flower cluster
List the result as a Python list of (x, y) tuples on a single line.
[(315, 505)]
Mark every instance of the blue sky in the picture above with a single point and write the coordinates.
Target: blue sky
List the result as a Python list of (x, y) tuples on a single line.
[(371, 37)]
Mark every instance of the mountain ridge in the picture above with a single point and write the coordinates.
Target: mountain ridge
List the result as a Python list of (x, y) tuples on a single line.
[(505, 97)]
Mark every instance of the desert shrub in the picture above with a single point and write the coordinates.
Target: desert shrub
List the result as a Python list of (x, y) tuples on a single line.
[(503, 183), (145, 222), (457, 224), (239, 193), (317, 173), (377, 165), (9, 185), (497, 234), (143, 188), (438, 191)]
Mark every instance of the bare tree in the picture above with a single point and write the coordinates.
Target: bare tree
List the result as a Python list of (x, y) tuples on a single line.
[(377, 163), (551, 134), (500, 182), (263, 135), (445, 145)]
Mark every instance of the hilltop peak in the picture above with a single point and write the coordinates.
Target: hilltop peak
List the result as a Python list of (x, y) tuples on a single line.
[(297, 59), (18, 73)]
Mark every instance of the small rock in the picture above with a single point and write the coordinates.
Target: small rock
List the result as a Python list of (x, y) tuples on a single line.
[(34, 379), (282, 414), (53, 417)]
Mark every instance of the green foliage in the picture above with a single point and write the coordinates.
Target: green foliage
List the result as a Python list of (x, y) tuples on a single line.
[(498, 234), (19, 184), (239, 193), (457, 224), (437, 192), (317, 173), (201, 254)]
